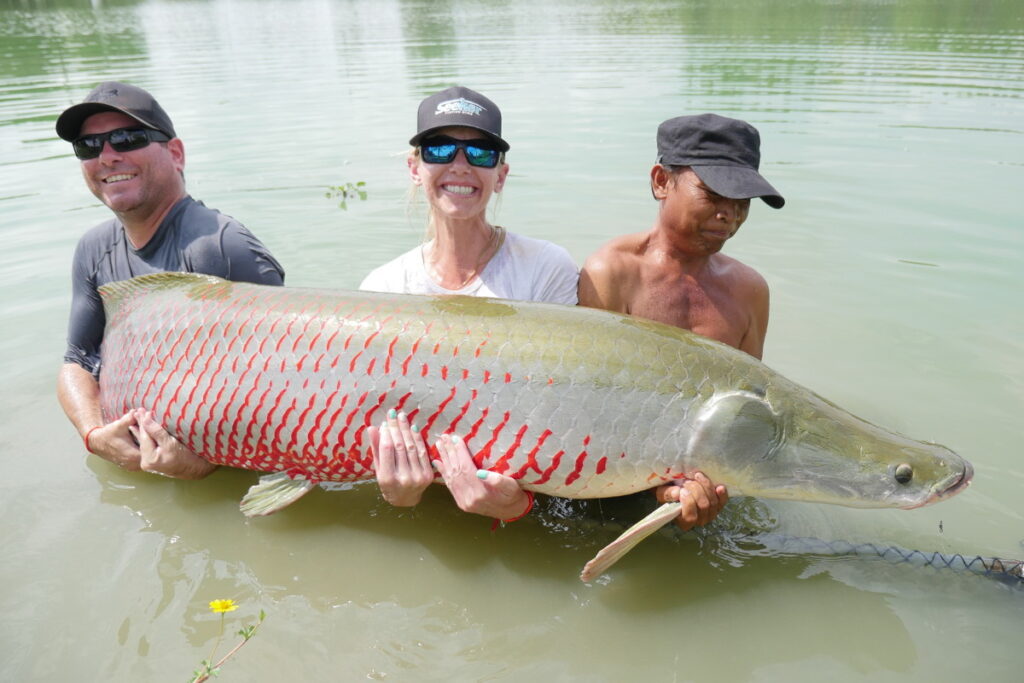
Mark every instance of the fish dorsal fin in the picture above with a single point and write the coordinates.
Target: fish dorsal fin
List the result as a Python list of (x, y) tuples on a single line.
[(114, 294)]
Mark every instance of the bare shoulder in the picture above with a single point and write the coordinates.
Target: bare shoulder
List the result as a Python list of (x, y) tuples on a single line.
[(741, 278), (610, 273)]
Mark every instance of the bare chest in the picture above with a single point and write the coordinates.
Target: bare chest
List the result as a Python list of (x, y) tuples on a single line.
[(709, 311)]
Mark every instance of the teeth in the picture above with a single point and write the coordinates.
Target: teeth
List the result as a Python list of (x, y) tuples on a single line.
[(117, 178), (459, 189)]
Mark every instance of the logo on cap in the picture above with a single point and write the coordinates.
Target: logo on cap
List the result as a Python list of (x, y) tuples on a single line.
[(459, 106)]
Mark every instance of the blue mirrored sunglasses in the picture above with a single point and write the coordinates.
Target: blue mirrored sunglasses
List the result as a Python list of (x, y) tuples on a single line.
[(442, 150)]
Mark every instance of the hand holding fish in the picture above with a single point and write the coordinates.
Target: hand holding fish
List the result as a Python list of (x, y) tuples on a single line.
[(701, 500), (494, 495), (113, 442), (161, 453), (400, 461)]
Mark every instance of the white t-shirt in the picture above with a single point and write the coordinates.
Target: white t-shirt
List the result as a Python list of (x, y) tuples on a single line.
[(524, 269)]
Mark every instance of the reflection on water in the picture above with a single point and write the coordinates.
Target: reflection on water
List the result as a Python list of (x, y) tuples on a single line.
[(893, 129)]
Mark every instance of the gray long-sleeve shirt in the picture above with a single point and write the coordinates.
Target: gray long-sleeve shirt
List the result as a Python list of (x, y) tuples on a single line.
[(191, 238)]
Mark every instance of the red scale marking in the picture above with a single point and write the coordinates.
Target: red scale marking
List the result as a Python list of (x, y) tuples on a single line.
[(284, 336), (508, 378), (388, 355), (424, 371), (238, 450), (437, 413), (351, 416), (352, 365), (444, 372), (264, 443), (316, 366), (480, 348), (602, 464), (531, 457), (294, 441), (247, 448), (546, 475), (462, 413), (284, 421), (205, 400), (324, 440), (232, 442), (369, 367), (502, 464), (487, 376), (311, 436), (202, 375), (581, 460), (475, 427)]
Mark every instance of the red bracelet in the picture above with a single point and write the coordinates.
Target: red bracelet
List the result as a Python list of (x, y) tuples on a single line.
[(88, 433), (529, 506)]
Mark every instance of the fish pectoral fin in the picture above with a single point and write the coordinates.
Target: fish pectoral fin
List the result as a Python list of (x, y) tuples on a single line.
[(273, 492), (613, 552)]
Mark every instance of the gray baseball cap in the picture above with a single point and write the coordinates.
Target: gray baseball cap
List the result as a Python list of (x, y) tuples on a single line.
[(724, 153), (115, 96), (459, 106)]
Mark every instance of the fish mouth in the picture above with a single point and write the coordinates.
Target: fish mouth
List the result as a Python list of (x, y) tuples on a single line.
[(955, 487)]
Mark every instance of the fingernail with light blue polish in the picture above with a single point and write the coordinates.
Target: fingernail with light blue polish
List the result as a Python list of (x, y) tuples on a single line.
[(392, 414), (482, 474)]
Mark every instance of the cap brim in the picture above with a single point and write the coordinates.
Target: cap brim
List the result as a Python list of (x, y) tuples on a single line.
[(739, 182), (416, 139), (69, 123)]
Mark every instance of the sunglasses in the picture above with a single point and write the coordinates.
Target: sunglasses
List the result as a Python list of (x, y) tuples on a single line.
[(442, 150), (122, 140)]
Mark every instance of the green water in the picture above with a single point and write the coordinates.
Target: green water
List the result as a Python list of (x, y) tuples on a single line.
[(894, 129)]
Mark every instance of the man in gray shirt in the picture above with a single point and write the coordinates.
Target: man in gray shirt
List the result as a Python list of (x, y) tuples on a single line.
[(133, 162)]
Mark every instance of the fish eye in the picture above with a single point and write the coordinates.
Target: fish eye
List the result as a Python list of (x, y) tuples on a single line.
[(904, 473)]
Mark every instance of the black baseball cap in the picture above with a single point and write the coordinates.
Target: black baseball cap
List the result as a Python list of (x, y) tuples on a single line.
[(724, 153), (459, 106), (115, 96)]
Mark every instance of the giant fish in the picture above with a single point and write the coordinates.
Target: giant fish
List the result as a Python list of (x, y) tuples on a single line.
[(569, 401)]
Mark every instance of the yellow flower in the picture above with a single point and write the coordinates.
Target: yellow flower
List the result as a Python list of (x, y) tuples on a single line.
[(220, 606)]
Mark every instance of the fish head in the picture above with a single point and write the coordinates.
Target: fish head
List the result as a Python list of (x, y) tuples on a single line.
[(788, 443)]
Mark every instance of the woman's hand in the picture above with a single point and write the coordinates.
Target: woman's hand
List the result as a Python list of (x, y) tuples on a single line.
[(400, 460), (702, 500), (475, 490)]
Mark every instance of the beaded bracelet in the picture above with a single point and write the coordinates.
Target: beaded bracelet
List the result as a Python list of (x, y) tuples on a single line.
[(86, 437)]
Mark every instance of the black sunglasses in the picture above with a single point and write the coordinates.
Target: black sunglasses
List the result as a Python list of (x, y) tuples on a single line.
[(122, 140), (442, 150)]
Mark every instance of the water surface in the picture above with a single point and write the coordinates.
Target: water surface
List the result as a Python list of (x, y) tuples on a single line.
[(897, 266)]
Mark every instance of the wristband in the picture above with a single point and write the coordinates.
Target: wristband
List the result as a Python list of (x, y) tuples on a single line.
[(88, 433), (529, 506)]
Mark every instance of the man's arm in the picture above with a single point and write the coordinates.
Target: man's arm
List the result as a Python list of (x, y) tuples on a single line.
[(753, 340), (79, 396)]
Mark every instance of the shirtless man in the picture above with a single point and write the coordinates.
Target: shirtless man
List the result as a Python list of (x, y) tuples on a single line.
[(704, 178)]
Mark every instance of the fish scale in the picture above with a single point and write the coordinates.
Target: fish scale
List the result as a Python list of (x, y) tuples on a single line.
[(568, 401)]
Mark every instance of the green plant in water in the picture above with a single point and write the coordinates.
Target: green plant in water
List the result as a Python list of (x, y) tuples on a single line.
[(207, 668), (346, 192)]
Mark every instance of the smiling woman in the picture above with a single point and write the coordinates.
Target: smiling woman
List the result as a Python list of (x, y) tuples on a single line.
[(459, 161)]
